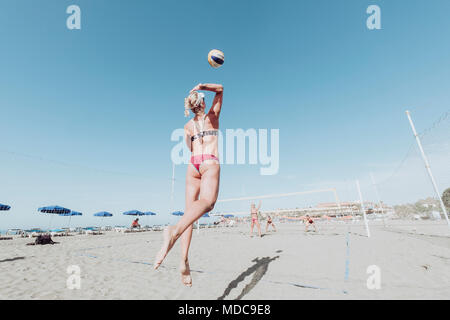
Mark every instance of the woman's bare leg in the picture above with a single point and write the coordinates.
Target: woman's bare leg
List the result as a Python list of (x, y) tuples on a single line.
[(192, 193), (251, 228), (185, 270), (259, 228), (209, 190)]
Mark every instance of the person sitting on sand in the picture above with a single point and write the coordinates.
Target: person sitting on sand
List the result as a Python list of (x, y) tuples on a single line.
[(309, 222), (135, 224), (270, 223), (254, 216)]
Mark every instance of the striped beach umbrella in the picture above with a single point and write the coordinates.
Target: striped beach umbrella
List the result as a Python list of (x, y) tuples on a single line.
[(4, 207), (53, 210)]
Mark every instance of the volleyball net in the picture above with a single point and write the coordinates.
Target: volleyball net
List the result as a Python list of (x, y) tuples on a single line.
[(320, 202)]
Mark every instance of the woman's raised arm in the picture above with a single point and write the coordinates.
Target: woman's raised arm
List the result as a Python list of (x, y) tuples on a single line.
[(217, 102)]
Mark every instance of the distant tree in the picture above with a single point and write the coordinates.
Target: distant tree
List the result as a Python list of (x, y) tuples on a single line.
[(405, 210), (446, 198), (422, 208)]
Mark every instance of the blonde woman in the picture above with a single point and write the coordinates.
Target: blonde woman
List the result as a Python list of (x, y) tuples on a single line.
[(203, 173), (255, 221)]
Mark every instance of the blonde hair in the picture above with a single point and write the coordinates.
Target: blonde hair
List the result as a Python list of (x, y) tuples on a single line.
[(192, 102)]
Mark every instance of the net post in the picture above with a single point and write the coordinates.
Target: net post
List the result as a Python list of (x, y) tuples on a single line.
[(427, 166), (378, 198), (363, 209)]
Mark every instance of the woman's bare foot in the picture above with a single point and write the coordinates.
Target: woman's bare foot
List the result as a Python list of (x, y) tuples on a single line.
[(167, 245), (185, 273)]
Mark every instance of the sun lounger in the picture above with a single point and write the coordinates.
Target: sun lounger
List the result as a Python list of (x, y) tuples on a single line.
[(92, 231), (120, 228), (58, 232), (33, 233), (157, 228)]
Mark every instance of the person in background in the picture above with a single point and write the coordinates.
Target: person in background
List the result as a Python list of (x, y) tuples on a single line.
[(254, 215), (270, 223), (309, 222), (135, 224)]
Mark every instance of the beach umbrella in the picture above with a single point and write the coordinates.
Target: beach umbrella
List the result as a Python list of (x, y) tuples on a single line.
[(70, 215), (149, 213), (133, 213), (206, 215), (53, 210), (177, 213), (228, 216), (4, 207), (103, 214)]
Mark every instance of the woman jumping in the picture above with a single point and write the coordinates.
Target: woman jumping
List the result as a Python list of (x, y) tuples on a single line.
[(203, 173)]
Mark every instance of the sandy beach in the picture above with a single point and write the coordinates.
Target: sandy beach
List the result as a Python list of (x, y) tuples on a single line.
[(413, 258)]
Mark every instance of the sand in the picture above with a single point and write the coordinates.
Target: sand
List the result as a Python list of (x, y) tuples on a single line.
[(413, 259)]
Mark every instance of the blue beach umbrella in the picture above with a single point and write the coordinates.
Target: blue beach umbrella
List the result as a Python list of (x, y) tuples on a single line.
[(206, 215), (70, 215), (103, 214), (177, 213), (228, 216), (4, 207), (149, 213), (53, 210), (134, 213)]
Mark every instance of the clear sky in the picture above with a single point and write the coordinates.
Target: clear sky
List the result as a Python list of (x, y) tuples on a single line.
[(87, 114)]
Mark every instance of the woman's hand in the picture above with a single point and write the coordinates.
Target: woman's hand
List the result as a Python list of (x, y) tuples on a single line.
[(196, 88)]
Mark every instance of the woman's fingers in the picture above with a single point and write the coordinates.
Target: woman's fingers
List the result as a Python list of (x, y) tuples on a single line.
[(196, 88)]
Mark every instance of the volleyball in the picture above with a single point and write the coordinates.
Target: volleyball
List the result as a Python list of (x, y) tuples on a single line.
[(216, 58)]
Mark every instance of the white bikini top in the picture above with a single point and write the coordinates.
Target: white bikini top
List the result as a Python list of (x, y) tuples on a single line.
[(198, 127)]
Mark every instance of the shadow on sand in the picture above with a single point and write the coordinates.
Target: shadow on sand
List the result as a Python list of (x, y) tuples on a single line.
[(258, 269), (12, 259)]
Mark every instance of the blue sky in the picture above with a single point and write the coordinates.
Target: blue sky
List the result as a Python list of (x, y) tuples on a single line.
[(87, 114)]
